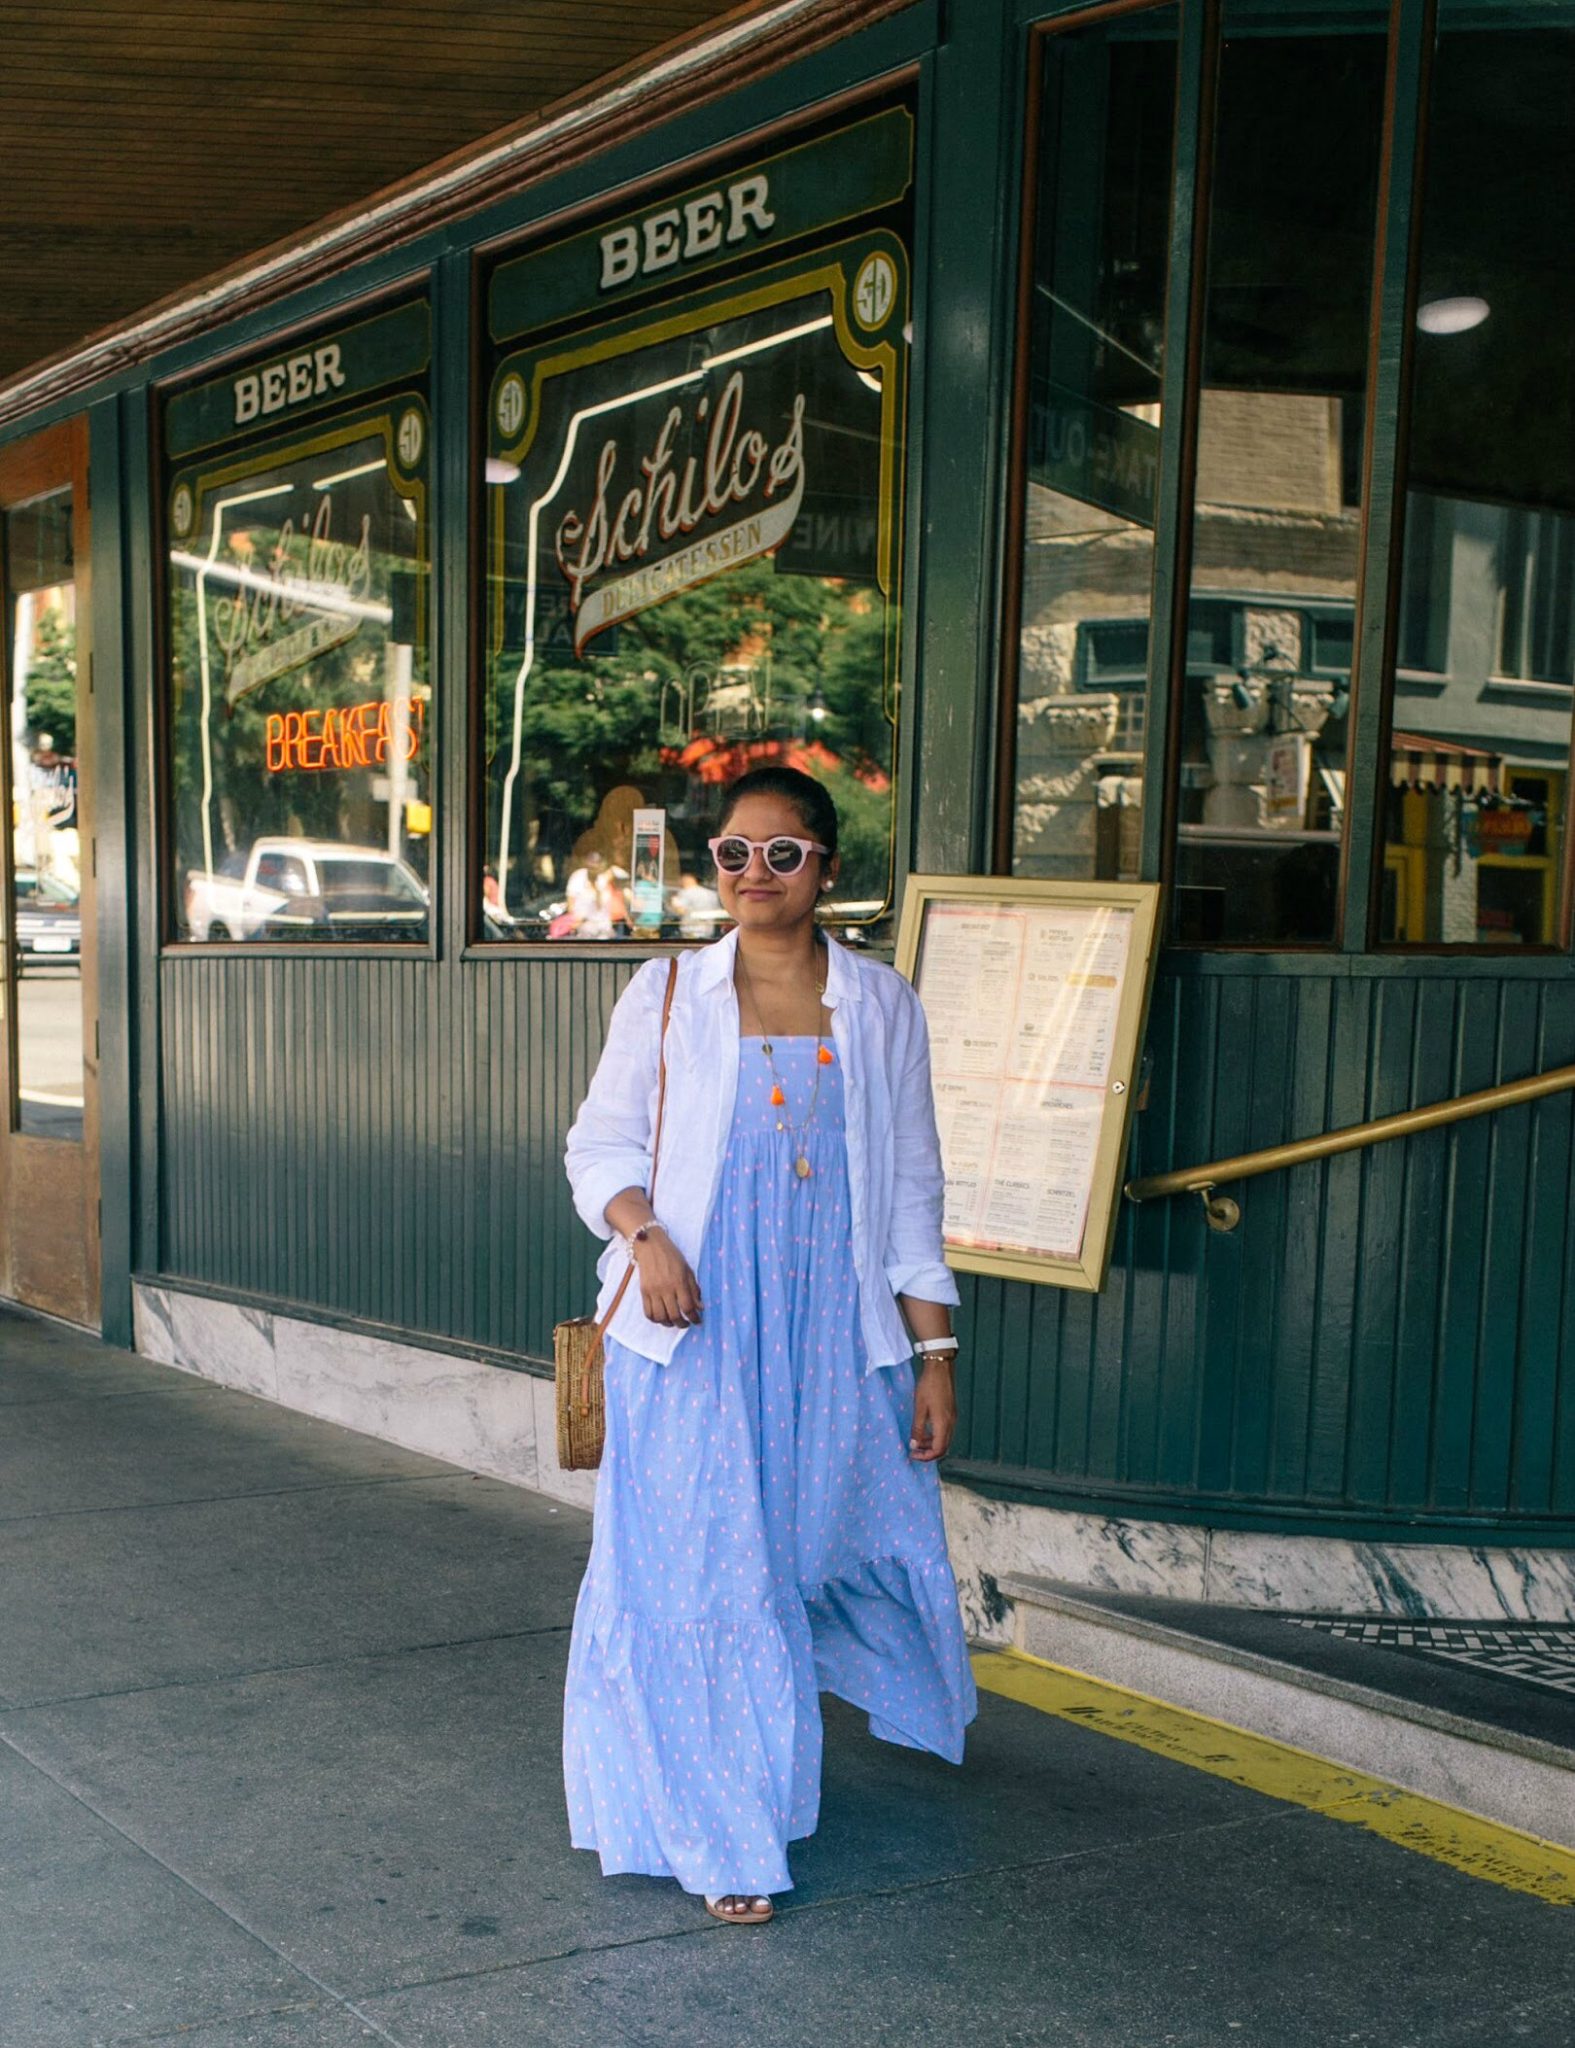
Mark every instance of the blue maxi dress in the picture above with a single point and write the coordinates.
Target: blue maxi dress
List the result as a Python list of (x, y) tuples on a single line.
[(761, 1535)]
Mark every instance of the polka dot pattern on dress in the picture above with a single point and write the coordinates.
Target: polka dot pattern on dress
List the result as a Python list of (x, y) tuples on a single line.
[(761, 1534)]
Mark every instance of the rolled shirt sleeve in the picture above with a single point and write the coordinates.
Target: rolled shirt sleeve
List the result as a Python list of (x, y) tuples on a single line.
[(609, 1143), (915, 1248)]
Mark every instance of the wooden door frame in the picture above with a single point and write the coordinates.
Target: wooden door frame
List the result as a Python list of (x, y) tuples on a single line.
[(55, 1184)]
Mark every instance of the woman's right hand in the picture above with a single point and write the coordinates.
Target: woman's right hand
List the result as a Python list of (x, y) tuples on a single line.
[(669, 1291)]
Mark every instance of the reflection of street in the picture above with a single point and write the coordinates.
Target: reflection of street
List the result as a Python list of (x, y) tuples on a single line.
[(49, 1048)]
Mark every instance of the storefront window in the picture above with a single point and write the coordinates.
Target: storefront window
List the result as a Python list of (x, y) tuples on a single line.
[(694, 487), (1096, 328), (44, 930), (1477, 796), (1264, 698), (300, 695)]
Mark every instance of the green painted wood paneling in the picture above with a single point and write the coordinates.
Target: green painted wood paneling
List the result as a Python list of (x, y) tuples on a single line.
[(965, 316), (382, 1139), (1388, 1332)]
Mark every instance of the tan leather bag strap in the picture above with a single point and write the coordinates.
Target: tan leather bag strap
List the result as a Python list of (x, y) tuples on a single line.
[(656, 1140)]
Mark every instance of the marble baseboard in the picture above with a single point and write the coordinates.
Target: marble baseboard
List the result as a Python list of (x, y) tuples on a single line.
[(472, 1414), (486, 1419), (1295, 1574), (989, 1539)]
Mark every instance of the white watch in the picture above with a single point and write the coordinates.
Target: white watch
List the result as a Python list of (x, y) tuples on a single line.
[(926, 1344)]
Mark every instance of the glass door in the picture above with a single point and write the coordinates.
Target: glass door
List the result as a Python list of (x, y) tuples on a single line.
[(49, 1169)]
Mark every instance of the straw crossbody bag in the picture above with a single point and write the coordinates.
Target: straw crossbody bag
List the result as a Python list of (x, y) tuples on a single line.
[(577, 1343)]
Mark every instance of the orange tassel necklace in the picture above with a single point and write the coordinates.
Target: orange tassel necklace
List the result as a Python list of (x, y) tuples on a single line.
[(823, 1058)]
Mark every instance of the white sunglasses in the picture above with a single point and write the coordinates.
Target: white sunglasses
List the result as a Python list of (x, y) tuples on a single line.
[(783, 855)]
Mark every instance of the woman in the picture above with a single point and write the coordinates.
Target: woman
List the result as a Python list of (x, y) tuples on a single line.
[(768, 1518)]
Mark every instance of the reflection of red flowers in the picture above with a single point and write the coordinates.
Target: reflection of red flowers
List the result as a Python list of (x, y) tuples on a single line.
[(718, 761)]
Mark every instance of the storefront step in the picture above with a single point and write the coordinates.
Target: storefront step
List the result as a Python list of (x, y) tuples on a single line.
[(1480, 1715), (1307, 1570)]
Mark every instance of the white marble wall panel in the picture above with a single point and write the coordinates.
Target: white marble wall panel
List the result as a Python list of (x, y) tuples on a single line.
[(987, 1537), (479, 1416), (218, 1340), (1431, 1581), (459, 1409)]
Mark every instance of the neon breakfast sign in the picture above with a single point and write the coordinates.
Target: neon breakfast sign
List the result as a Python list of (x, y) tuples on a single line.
[(349, 736), (670, 502)]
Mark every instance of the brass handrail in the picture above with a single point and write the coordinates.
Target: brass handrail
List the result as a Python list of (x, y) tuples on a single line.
[(1224, 1214)]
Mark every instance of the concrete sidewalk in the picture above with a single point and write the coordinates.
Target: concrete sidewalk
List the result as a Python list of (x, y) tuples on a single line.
[(279, 1726)]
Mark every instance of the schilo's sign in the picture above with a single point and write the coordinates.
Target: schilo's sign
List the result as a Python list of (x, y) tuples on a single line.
[(660, 520), (754, 425), (316, 579)]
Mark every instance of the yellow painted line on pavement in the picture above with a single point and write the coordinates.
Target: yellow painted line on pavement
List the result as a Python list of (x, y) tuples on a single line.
[(1481, 1848)]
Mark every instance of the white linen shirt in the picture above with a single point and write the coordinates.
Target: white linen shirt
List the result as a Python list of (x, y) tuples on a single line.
[(895, 1178)]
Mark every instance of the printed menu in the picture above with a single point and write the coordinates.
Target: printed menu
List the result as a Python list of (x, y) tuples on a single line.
[(1023, 1002)]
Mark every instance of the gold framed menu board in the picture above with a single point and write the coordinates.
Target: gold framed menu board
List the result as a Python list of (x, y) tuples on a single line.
[(1036, 994)]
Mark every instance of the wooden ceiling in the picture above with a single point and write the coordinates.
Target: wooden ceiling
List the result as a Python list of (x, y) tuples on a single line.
[(148, 143)]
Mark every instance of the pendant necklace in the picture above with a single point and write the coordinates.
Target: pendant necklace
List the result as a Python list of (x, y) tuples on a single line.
[(823, 1058)]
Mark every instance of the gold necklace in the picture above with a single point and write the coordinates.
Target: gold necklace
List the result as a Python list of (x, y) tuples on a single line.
[(823, 1057)]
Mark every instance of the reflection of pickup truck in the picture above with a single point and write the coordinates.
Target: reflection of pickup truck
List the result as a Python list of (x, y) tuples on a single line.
[(307, 888)]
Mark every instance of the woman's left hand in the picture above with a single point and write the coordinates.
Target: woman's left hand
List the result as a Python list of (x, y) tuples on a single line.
[(934, 1411)]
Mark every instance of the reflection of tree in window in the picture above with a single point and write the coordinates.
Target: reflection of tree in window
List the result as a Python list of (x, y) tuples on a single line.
[(50, 699), (784, 665)]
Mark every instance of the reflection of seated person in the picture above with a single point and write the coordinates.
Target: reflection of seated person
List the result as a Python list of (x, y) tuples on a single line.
[(695, 907), (584, 900), (614, 901), (492, 896)]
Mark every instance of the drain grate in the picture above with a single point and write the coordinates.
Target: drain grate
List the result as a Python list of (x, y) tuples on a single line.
[(1534, 1653)]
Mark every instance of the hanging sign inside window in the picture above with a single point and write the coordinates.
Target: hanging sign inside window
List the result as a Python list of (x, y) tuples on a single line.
[(1035, 995), (648, 861), (1092, 452)]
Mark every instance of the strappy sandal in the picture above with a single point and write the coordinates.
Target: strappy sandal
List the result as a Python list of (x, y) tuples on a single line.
[(759, 1907)]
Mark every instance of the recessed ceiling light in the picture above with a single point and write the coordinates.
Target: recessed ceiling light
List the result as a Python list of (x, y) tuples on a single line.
[(1451, 316)]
